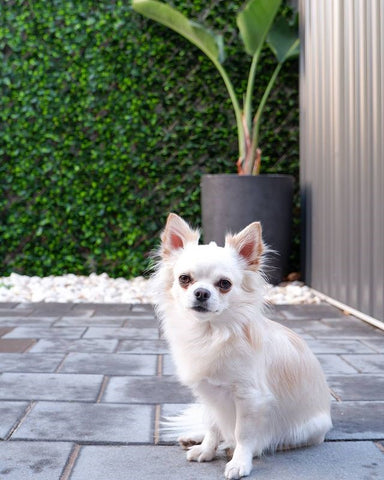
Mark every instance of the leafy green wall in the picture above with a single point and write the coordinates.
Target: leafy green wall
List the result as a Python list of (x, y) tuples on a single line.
[(107, 122)]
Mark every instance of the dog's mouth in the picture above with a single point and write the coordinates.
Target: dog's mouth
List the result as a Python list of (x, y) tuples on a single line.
[(200, 308)]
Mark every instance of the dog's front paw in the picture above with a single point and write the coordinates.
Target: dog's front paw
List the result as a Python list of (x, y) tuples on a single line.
[(198, 453), (235, 469)]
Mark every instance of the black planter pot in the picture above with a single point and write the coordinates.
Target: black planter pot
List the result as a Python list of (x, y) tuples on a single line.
[(231, 202)]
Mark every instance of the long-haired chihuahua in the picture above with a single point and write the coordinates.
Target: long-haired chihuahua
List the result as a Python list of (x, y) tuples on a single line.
[(259, 387)]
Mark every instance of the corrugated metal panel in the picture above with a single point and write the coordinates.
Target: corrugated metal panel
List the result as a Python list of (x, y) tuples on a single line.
[(342, 149)]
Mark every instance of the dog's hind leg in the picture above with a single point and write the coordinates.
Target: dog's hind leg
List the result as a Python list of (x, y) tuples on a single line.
[(186, 441)]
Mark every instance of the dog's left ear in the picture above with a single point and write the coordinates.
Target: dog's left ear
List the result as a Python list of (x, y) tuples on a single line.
[(177, 234), (249, 244)]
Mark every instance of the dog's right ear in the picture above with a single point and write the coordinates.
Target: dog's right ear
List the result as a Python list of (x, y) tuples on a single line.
[(176, 235)]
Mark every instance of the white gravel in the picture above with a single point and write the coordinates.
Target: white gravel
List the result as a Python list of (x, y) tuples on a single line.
[(103, 289)]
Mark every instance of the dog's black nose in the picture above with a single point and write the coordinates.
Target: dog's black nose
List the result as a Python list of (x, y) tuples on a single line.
[(202, 294)]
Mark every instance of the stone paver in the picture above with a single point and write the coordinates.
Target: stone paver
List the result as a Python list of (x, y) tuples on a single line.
[(341, 461), (143, 346), (109, 364), (50, 386), (123, 333), (33, 460), (90, 322), (357, 421), (335, 364), (328, 346), (44, 332), (29, 362), (366, 363), (88, 422), (64, 345), (376, 344), (146, 390), (358, 387), (83, 387), (10, 413)]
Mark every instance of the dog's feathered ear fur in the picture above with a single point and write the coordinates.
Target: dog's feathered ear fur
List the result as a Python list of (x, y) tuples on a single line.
[(249, 244), (177, 234)]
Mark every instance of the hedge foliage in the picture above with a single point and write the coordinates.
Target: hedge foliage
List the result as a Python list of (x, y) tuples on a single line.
[(107, 122)]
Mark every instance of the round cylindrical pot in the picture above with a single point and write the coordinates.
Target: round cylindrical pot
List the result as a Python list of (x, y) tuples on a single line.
[(231, 202)]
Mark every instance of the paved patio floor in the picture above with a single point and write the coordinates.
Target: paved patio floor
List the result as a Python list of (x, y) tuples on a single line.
[(83, 386)]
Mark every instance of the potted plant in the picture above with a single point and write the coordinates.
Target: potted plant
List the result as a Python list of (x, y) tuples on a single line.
[(230, 202)]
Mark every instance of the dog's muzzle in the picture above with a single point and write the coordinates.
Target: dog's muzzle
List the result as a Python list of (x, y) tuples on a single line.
[(202, 296)]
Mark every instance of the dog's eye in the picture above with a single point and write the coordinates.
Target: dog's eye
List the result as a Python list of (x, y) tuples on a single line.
[(185, 280), (224, 285)]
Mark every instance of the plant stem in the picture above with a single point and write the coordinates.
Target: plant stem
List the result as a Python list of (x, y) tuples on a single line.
[(235, 104), (250, 87), (256, 119)]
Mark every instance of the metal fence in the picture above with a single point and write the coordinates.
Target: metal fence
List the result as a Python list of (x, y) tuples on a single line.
[(342, 149)]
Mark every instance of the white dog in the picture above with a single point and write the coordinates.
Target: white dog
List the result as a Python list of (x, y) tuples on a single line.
[(259, 386)]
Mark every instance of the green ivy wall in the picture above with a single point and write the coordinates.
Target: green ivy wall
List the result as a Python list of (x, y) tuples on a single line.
[(107, 123)]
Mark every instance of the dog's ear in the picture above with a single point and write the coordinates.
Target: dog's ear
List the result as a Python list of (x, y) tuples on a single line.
[(249, 244), (177, 234)]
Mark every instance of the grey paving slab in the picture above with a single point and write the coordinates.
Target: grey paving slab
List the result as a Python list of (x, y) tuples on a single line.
[(358, 387), (110, 364), (146, 462), (142, 307), (67, 345), (90, 321), (313, 312), (84, 422), (49, 386), (357, 421), (122, 333), (103, 309), (151, 390), (341, 346), (29, 362), (341, 461), (60, 309), (144, 346), (27, 321), (33, 460), (168, 365), (312, 327), (10, 413), (349, 328), (13, 312), (333, 364), (7, 305), (350, 322), (375, 343), (42, 332), (366, 363), (148, 321)]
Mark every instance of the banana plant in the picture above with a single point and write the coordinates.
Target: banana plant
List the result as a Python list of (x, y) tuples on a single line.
[(257, 27)]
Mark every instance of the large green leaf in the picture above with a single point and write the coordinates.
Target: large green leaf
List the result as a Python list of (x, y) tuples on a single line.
[(255, 21), (210, 44), (283, 40)]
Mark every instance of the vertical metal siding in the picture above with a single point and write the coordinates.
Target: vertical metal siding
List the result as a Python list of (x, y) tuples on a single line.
[(342, 149)]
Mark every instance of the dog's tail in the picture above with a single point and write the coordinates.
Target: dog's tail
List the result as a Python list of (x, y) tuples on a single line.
[(188, 427)]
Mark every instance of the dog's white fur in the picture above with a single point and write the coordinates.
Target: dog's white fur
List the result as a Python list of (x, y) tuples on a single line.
[(260, 386)]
